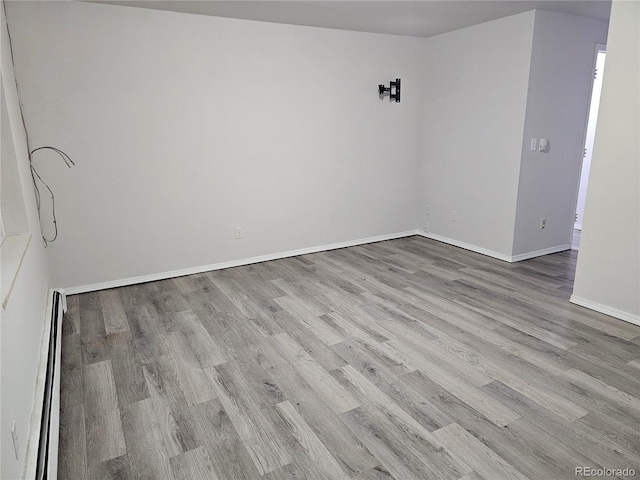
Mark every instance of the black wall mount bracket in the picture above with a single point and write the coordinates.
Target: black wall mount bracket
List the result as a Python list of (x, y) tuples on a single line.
[(393, 89)]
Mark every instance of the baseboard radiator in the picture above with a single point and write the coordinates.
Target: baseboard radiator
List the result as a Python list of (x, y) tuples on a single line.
[(47, 457)]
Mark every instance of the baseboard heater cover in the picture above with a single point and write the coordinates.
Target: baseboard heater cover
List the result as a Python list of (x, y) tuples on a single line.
[(47, 456)]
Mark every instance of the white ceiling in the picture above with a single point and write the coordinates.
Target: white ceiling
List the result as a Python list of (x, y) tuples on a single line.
[(422, 18)]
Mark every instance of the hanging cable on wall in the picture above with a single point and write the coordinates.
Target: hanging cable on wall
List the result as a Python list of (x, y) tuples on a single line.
[(35, 176)]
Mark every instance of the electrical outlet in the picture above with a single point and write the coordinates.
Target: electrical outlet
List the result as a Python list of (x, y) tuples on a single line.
[(534, 144), (543, 145), (238, 233), (454, 215), (543, 223), (16, 440), (428, 210)]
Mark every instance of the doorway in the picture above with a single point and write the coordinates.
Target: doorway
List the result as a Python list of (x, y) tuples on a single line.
[(588, 143)]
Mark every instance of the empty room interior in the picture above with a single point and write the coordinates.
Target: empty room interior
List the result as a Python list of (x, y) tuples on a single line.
[(319, 239)]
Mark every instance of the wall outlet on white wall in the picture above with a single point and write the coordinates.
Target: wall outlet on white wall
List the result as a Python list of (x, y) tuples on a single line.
[(534, 144), (543, 223), (238, 233), (428, 210), (454, 215), (16, 440), (543, 145)]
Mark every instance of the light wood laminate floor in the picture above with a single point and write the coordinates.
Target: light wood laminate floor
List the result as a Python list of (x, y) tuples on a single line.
[(405, 359)]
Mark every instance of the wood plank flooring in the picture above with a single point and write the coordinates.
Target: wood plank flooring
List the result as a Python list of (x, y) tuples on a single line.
[(405, 359)]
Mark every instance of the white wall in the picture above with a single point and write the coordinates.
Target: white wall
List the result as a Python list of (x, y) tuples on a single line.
[(475, 99), (608, 269), (560, 81), (22, 321), (185, 126), (594, 105), (485, 98), (259, 120), (14, 216)]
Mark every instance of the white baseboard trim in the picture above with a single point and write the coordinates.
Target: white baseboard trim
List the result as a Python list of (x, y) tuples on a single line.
[(466, 246), (540, 253), (491, 253), (233, 263), (612, 312)]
